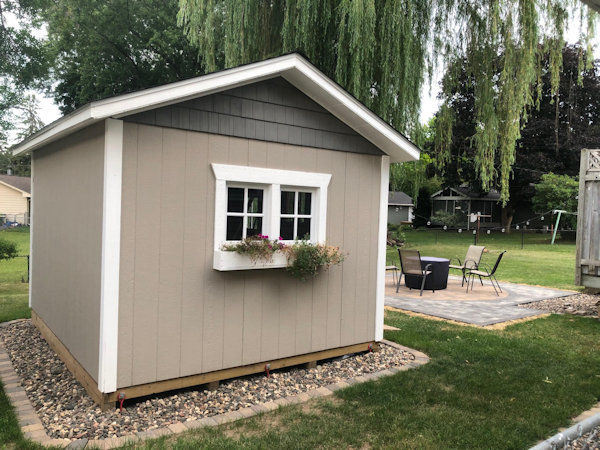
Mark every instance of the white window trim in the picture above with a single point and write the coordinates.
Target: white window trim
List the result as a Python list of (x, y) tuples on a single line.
[(295, 215), (272, 180)]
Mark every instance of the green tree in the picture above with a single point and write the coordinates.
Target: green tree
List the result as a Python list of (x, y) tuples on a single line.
[(550, 140), (103, 48), (24, 62), (382, 51), (557, 192)]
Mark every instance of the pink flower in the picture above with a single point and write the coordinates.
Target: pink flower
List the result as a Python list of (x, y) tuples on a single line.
[(280, 238), (270, 246), (266, 237)]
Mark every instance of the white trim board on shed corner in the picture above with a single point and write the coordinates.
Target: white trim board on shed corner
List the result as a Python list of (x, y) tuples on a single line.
[(293, 67)]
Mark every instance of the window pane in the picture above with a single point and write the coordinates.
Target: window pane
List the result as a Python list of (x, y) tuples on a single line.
[(235, 200), (287, 202), (255, 200), (254, 226), (287, 229), (304, 199), (304, 229), (234, 228)]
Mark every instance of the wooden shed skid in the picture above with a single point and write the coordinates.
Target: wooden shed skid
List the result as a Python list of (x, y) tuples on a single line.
[(106, 400)]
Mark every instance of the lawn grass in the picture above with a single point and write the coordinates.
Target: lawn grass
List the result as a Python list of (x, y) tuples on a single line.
[(14, 294), (538, 263), (481, 389)]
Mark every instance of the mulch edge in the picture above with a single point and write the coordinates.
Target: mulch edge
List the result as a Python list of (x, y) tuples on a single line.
[(33, 429)]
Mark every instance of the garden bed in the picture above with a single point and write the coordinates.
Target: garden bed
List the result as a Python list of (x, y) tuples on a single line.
[(586, 305), (66, 410)]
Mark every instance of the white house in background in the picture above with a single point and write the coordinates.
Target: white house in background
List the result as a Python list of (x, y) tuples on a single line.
[(15, 199), (400, 208)]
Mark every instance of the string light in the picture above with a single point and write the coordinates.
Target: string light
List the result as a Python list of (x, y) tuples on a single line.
[(488, 232), (460, 230), (445, 227)]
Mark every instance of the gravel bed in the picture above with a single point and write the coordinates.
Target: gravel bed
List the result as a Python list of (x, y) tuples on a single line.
[(589, 441), (578, 304), (67, 411)]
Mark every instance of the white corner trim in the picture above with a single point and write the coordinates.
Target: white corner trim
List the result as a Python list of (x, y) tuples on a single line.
[(261, 175), (31, 229), (381, 247), (111, 242)]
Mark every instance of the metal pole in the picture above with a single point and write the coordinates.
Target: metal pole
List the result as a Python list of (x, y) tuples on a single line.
[(555, 228), (522, 237), (436, 236)]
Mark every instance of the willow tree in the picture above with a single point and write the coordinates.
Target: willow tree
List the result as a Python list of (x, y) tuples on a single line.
[(384, 51)]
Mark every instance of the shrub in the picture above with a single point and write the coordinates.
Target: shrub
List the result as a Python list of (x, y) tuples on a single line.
[(395, 234), (256, 247), (450, 220), (557, 192), (305, 259), (8, 249)]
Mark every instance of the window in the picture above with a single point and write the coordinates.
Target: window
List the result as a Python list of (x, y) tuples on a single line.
[(273, 202), (296, 215), (244, 212)]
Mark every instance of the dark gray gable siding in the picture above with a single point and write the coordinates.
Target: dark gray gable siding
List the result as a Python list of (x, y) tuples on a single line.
[(271, 110)]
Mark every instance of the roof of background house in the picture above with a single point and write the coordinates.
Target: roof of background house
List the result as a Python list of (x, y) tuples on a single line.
[(471, 193), (399, 198), (467, 191), (21, 183), (293, 67)]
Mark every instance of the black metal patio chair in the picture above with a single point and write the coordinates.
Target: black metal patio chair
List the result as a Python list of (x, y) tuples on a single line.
[(487, 273), (410, 263)]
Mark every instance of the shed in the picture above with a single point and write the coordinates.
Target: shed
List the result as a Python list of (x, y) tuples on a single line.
[(400, 208), (462, 201), (137, 295), (15, 196)]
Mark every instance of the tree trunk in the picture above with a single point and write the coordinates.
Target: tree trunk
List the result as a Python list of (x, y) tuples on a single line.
[(507, 217)]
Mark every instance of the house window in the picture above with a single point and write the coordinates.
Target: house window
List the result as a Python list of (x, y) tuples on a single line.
[(244, 212), (296, 215), (273, 202)]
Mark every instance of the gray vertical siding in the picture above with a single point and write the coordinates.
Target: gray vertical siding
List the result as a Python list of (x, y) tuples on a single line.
[(178, 316), (66, 241), (271, 110)]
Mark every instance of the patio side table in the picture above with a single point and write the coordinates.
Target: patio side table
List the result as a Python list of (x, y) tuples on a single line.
[(437, 280)]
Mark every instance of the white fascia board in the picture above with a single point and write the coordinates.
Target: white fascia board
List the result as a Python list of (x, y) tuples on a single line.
[(188, 89), (25, 194), (293, 67), (111, 244), (261, 175), (352, 112), (382, 247), (32, 175), (60, 128)]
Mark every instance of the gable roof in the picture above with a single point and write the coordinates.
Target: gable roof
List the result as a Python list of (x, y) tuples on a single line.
[(469, 193), (399, 198), (294, 68), (22, 184)]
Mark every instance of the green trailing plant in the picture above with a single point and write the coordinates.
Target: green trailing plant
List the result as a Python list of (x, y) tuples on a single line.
[(257, 248), (8, 249), (306, 260), (384, 51)]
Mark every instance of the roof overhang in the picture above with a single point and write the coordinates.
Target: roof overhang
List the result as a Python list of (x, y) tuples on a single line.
[(293, 67), (22, 192), (594, 4)]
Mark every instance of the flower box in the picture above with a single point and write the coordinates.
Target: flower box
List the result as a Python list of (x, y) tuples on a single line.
[(228, 260)]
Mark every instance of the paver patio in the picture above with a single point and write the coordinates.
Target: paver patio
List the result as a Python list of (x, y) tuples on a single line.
[(478, 307)]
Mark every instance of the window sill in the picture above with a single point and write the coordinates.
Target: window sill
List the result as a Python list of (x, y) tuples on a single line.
[(225, 261)]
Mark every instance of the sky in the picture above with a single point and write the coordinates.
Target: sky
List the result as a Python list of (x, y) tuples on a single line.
[(429, 102)]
